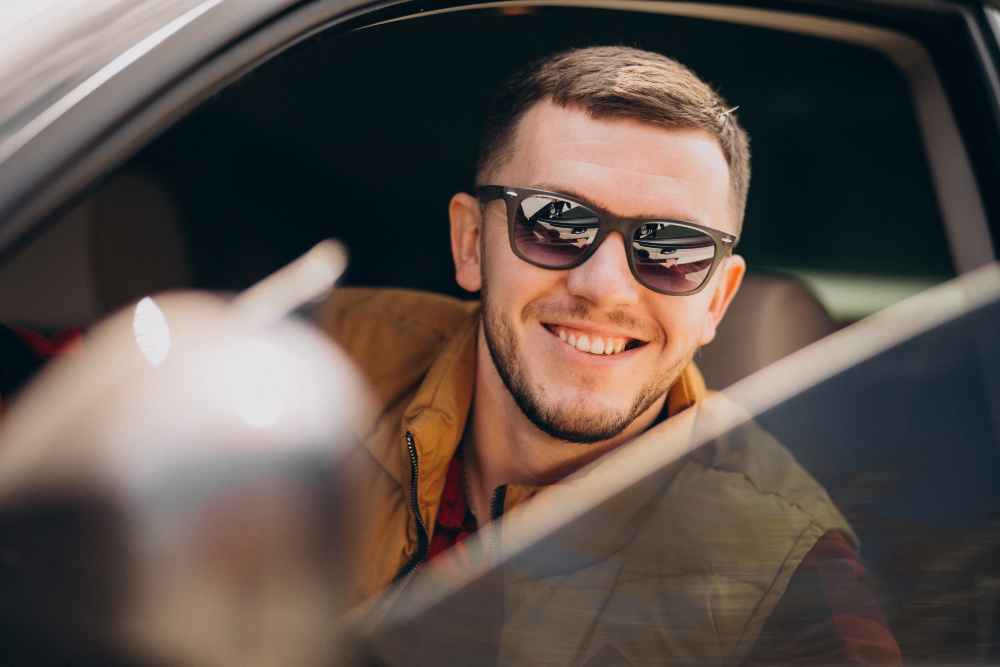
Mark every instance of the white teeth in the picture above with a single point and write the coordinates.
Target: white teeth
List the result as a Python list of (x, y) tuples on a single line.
[(595, 345)]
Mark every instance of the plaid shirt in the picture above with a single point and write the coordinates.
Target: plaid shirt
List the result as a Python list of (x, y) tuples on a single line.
[(825, 617)]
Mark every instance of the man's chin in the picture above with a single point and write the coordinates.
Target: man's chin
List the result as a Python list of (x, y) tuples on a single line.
[(584, 430), (576, 420)]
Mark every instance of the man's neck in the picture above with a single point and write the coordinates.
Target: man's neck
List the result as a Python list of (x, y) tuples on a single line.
[(501, 446)]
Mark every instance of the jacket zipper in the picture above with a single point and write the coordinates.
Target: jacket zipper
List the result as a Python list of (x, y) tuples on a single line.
[(423, 543), (496, 511)]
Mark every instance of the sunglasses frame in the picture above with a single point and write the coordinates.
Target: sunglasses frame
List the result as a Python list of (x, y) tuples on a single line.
[(513, 196)]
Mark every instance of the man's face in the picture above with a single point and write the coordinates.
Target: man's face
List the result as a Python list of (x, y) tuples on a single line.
[(532, 314)]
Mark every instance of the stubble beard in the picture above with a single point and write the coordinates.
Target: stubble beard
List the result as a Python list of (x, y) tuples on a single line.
[(570, 423)]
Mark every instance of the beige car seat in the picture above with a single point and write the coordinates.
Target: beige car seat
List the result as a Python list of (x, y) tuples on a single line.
[(138, 247), (770, 317), (118, 245)]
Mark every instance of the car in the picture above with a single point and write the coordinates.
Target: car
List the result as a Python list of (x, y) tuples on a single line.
[(152, 145)]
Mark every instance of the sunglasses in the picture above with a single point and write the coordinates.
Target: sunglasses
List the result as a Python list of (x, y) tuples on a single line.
[(555, 231)]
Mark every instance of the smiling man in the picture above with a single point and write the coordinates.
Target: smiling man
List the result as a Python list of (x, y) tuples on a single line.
[(610, 193), (587, 355)]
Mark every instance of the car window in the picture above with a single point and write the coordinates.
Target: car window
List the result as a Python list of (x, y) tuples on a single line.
[(322, 141), (906, 442)]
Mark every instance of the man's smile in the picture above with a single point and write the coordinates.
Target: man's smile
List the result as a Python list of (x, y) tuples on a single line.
[(593, 342)]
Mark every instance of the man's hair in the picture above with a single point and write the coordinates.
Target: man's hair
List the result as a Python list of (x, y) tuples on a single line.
[(618, 82)]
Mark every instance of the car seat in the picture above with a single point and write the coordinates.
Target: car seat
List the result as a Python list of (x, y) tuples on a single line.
[(771, 316), (119, 244)]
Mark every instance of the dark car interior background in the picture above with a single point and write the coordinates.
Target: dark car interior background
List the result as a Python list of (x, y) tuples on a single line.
[(365, 136), (351, 135)]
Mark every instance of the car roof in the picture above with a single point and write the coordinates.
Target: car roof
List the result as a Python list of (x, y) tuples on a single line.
[(54, 52)]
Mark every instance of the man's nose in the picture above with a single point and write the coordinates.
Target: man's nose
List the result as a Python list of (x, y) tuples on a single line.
[(605, 279)]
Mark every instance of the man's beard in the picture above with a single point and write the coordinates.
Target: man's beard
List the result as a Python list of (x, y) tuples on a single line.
[(560, 421)]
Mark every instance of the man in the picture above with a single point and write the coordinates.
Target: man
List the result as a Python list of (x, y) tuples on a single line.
[(610, 192)]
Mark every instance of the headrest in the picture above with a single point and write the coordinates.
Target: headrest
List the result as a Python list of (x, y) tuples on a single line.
[(770, 317)]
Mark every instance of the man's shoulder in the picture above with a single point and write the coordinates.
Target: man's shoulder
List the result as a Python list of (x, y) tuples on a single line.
[(353, 307), (394, 335), (767, 476)]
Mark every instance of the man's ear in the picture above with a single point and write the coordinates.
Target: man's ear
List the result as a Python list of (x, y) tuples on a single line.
[(466, 247), (730, 275)]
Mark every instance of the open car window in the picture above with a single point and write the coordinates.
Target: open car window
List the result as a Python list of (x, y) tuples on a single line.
[(313, 142), (847, 211)]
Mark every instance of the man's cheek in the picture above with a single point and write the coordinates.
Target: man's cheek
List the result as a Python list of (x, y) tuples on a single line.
[(682, 321)]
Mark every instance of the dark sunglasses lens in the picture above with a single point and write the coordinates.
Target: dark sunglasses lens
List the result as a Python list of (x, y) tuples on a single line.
[(553, 232), (673, 258)]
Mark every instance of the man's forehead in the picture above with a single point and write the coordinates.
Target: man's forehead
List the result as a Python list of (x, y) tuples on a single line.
[(625, 167)]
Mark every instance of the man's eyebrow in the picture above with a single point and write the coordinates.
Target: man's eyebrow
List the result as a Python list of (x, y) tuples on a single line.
[(565, 191), (575, 195)]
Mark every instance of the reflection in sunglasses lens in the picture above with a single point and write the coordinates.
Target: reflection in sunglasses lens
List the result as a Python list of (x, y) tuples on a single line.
[(672, 257), (553, 232)]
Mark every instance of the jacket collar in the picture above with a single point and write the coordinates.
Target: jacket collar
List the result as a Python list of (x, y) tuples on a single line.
[(435, 418)]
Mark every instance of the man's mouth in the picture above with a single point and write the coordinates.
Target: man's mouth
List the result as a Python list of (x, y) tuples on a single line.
[(592, 343)]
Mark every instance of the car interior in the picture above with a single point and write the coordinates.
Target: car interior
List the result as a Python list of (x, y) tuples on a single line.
[(365, 135), (318, 141)]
